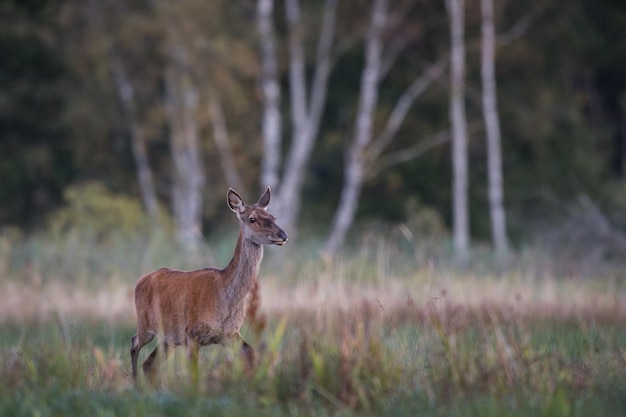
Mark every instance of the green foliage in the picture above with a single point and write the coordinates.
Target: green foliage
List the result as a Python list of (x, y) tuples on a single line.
[(91, 209), (560, 95), (35, 157), (97, 235)]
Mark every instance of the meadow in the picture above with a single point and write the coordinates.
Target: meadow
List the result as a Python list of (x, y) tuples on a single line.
[(392, 327)]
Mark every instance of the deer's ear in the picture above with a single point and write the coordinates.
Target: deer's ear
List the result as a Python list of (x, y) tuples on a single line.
[(235, 202), (264, 200)]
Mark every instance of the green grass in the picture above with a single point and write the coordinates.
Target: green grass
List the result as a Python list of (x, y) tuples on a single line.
[(389, 329), (439, 361)]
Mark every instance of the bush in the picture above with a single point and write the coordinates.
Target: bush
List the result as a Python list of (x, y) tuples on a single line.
[(97, 235), (91, 209)]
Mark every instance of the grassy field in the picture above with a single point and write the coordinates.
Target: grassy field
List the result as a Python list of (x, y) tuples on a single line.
[(383, 331)]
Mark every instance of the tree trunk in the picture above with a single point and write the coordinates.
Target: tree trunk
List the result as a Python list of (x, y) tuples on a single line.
[(306, 114), (272, 120), (126, 94), (182, 113), (220, 134), (353, 172), (460, 211), (365, 150), (288, 202), (492, 126)]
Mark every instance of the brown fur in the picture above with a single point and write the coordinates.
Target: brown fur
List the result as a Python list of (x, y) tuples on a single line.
[(206, 306)]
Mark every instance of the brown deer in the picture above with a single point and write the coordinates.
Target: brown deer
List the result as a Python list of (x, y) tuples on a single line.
[(207, 306)]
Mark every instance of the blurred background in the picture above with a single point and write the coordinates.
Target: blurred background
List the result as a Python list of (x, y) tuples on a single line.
[(451, 174), (128, 116)]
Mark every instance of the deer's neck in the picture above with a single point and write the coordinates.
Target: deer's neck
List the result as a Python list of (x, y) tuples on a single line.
[(243, 268)]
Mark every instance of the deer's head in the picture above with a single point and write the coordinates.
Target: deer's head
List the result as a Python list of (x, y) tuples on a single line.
[(258, 225)]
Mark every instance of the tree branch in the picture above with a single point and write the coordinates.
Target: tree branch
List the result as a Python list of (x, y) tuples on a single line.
[(407, 154), (416, 150), (517, 30), (400, 110)]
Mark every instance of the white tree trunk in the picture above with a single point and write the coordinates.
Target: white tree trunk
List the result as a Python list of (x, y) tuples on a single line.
[(287, 204), (270, 86), (460, 210), (220, 135), (492, 126), (365, 149), (182, 113), (306, 114), (126, 93), (353, 172)]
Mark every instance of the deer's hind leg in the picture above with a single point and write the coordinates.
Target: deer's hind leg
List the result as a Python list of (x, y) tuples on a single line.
[(138, 341)]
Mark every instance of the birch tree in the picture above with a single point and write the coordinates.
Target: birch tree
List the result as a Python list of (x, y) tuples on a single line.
[(126, 94), (181, 103), (124, 87), (202, 63), (460, 210), (270, 86), (492, 127), (366, 147), (306, 104), (222, 143), (353, 172)]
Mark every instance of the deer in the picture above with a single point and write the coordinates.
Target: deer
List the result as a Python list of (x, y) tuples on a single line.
[(206, 306)]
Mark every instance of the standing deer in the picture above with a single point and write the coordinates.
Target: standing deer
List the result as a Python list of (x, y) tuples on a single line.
[(206, 306)]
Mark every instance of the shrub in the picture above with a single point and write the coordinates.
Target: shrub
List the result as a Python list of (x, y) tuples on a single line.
[(91, 209)]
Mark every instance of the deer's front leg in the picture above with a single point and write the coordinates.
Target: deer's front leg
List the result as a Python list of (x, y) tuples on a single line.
[(247, 352)]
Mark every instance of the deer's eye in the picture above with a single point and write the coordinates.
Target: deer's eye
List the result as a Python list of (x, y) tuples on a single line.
[(252, 220)]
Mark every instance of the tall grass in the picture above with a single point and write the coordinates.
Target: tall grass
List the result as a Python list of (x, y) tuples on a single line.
[(444, 359), (389, 327)]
